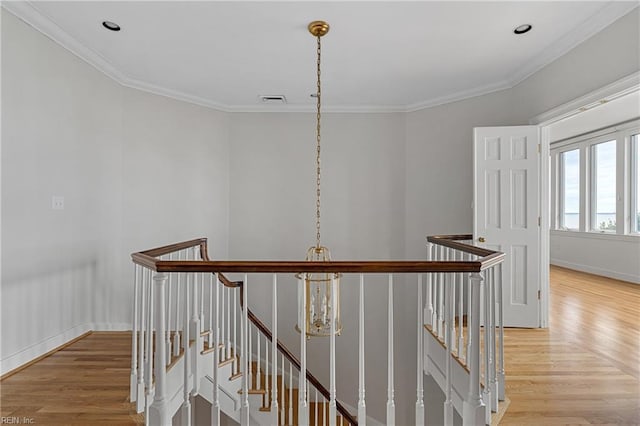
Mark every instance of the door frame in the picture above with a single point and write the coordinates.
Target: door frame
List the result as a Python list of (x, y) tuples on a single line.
[(591, 100)]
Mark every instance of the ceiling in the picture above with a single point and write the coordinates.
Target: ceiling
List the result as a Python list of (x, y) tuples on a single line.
[(378, 56)]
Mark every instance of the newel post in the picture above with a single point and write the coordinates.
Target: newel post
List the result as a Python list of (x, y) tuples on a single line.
[(473, 411), (159, 412)]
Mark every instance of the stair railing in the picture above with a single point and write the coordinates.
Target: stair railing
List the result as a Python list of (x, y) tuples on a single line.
[(464, 315), (172, 285)]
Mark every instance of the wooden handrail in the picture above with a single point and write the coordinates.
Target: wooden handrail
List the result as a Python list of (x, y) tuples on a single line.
[(487, 259), (293, 267)]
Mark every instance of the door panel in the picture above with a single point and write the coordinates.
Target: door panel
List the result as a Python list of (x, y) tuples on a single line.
[(506, 212)]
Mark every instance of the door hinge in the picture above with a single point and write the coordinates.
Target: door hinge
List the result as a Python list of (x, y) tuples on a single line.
[(539, 295), (539, 221), (539, 148)]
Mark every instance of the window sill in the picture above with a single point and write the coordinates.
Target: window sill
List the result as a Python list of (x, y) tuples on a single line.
[(631, 238)]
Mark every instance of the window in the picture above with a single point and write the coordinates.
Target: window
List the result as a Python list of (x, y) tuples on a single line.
[(635, 183), (603, 186), (570, 190), (596, 182)]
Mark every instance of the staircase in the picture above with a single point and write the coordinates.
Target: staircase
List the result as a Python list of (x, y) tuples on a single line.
[(194, 336)]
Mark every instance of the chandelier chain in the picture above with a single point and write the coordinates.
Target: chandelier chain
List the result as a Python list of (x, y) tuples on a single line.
[(318, 116)]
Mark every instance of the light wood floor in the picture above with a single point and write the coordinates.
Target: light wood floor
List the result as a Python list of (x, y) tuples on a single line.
[(86, 383), (584, 369)]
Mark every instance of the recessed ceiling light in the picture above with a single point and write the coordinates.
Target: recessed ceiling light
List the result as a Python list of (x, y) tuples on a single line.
[(111, 25), (524, 28)]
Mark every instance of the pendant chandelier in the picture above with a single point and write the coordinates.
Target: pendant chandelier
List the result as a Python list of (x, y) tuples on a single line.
[(320, 319)]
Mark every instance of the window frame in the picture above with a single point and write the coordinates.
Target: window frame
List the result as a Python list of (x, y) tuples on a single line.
[(593, 187), (626, 171), (561, 191), (634, 178)]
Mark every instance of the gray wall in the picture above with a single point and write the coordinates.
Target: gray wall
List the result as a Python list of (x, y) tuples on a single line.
[(136, 170), (139, 170)]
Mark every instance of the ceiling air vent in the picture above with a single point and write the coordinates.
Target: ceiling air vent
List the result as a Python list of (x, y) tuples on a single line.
[(272, 99)]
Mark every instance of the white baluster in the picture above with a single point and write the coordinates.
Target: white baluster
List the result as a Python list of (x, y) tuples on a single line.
[(228, 334), (201, 317), (290, 417), (195, 326), (176, 334), (133, 380), (429, 299), (259, 359), (362, 406), (282, 392), (459, 279), (274, 325), (501, 375), (452, 302), (167, 344), (244, 337), (486, 348), (469, 313), (235, 327), (303, 414), (493, 383), (317, 410), (433, 284), (149, 351), (473, 411), (420, 360), (332, 354), (249, 371), (140, 397), (391, 407), (221, 325), (449, 303), (266, 364), (159, 413), (211, 322), (441, 327), (215, 406), (186, 402)]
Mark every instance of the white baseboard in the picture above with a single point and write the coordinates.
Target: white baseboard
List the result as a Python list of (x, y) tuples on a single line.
[(597, 271), (40, 348), (111, 326)]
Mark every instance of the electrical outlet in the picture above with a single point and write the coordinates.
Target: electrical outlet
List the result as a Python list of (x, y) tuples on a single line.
[(57, 202)]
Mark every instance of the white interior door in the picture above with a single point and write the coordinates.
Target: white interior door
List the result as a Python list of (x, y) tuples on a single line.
[(507, 213)]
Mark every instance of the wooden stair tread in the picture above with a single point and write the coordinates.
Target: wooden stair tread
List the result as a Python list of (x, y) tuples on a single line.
[(235, 376), (254, 391), (211, 349), (226, 361)]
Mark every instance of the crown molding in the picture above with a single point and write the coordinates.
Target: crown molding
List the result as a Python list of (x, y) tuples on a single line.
[(459, 96), (299, 108), (32, 16), (27, 12), (619, 88), (607, 16)]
